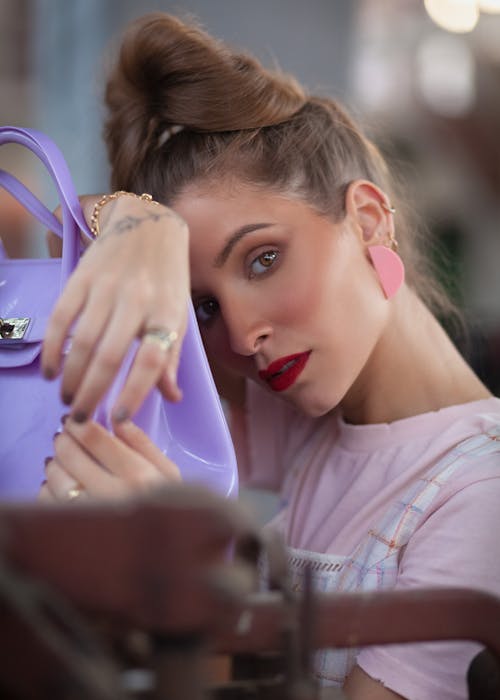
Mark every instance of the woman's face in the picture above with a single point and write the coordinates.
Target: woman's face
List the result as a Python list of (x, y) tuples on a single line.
[(283, 296)]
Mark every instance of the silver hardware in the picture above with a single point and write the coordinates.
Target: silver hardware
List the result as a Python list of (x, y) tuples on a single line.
[(13, 328)]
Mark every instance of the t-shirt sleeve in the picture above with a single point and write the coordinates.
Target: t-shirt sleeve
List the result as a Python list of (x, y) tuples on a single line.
[(457, 545), (264, 434)]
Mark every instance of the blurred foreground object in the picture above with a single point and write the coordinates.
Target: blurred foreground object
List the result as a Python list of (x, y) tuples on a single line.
[(138, 599)]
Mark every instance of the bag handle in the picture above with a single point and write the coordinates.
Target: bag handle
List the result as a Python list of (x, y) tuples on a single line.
[(73, 219), (30, 202)]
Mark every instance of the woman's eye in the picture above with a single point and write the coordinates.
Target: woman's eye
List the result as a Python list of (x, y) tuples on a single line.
[(263, 262), (206, 310)]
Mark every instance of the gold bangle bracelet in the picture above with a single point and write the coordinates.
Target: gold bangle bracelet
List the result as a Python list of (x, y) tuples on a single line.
[(94, 219)]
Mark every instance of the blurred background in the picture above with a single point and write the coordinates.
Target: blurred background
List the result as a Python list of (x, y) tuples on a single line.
[(424, 78)]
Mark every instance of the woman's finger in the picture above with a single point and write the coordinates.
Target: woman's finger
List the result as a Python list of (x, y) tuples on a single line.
[(44, 495), (134, 471), (85, 340), (58, 328), (67, 308), (60, 485), (82, 469), (167, 384), (151, 361), (106, 359), (137, 439)]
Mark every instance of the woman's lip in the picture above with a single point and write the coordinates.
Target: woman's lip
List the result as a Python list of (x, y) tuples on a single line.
[(279, 380), (278, 365)]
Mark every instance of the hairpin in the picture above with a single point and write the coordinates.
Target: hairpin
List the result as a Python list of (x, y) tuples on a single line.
[(167, 133)]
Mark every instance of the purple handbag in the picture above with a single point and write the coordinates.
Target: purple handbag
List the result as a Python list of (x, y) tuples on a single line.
[(193, 432)]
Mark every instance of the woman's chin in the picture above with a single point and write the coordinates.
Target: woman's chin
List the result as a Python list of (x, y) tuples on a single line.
[(313, 406)]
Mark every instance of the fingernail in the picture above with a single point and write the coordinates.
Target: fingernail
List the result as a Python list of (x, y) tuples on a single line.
[(79, 417), (64, 418), (46, 460), (67, 398), (120, 415), (56, 435), (49, 373), (43, 482)]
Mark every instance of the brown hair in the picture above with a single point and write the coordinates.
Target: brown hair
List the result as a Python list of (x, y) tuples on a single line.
[(239, 120)]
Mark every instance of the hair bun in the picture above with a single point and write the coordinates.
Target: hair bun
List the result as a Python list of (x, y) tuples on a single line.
[(172, 73)]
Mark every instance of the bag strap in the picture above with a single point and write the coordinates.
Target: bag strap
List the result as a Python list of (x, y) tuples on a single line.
[(73, 219), (30, 202)]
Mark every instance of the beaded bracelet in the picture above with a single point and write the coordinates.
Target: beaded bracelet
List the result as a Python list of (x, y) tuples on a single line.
[(94, 219)]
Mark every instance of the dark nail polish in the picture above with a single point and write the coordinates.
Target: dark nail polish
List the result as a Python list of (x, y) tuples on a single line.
[(121, 415), (47, 460), (56, 435), (79, 417), (43, 482), (67, 398), (64, 418), (49, 373)]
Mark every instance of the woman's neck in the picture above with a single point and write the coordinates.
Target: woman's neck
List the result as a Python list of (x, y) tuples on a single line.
[(414, 369)]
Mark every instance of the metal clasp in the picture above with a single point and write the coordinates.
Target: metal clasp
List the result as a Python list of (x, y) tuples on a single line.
[(13, 328)]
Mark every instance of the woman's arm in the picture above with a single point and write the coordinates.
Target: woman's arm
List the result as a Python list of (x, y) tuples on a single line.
[(134, 277), (360, 686)]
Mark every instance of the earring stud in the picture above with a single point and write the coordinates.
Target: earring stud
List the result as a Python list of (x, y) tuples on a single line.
[(389, 208)]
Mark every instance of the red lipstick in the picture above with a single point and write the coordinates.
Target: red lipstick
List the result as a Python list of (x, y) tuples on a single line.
[(283, 372)]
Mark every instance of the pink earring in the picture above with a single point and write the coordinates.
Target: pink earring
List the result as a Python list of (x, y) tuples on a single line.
[(389, 268), (387, 263)]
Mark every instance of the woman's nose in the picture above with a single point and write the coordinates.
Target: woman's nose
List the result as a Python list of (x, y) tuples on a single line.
[(246, 330)]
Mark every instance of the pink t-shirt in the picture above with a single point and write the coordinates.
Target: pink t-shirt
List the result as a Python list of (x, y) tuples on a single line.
[(338, 481)]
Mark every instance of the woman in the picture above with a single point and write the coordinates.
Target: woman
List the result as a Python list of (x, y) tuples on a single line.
[(346, 395)]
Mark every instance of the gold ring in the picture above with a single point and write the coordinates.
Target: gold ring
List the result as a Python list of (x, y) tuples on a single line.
[(74, 492), (161, 337)]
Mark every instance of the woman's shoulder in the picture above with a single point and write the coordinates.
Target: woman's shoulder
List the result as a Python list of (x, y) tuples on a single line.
[(475, 463), (477, 445)]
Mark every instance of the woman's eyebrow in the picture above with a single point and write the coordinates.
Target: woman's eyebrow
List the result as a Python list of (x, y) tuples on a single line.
[(233, 240)]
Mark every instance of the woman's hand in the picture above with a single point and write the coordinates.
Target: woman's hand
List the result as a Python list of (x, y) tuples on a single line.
[(90, 462), (133, 278)]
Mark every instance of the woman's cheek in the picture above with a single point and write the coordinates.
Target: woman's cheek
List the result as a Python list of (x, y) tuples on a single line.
[(295, 302), (218, 349), (294, 308)]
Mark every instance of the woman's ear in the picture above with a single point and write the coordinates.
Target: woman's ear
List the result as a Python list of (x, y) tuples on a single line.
[(373, 219), (369, 209)]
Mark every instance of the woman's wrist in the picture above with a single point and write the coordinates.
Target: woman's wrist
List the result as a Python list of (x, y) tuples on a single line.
[(108, 201), (124, 211)]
